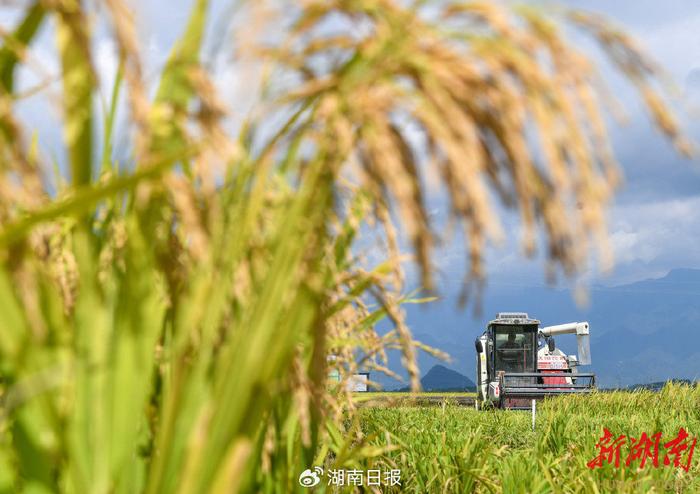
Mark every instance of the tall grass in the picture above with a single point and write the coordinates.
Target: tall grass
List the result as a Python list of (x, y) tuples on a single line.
[(167, 322)]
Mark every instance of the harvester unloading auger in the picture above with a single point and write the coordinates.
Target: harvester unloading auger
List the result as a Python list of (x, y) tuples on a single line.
[(517, 361)]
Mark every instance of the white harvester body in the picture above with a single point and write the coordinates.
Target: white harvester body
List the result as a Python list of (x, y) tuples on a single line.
[(517, 361)]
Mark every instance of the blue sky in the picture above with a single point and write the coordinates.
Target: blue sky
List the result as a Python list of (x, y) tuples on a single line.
[(653, 223)]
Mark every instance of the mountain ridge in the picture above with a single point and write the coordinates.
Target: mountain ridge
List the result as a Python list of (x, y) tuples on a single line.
[(441, 378), (640, 331)]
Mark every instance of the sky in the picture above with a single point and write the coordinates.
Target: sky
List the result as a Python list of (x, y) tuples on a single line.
[(654, 226), (653, 222)]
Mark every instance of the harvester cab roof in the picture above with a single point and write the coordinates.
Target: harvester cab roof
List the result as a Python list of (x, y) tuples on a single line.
[(518, 361)]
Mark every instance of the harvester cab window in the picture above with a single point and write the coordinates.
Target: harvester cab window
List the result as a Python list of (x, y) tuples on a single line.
[(516, 348)]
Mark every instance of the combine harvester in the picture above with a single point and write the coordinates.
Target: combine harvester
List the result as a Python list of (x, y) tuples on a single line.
[(517, 362)]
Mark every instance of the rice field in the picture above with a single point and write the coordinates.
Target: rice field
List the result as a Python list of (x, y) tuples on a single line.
[(458, 449), (398, 399), (179, 274)]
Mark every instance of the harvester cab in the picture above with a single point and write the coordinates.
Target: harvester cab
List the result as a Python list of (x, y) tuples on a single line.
[(517, 361)]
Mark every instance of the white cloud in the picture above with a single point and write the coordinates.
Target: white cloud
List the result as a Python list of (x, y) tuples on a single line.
[(656, 236)]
